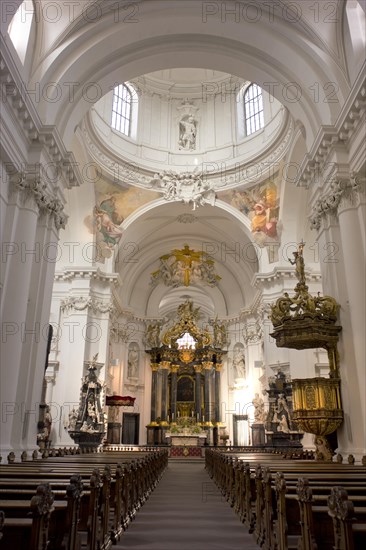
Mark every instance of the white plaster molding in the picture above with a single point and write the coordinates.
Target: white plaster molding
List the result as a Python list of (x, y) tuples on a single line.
[(352, 114), (167, 90), (33, 187), (17, 97), (122, 332), (187, 218), (341, 192), (81, 303), (279, 274), (89, 274), (188, 187), (252, 332), (236, 172)]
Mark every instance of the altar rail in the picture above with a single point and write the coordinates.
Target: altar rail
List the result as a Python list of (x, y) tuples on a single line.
[(84, 501), (294, 504)]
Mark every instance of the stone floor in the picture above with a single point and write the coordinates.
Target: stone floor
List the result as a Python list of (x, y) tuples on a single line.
[(186, 512)]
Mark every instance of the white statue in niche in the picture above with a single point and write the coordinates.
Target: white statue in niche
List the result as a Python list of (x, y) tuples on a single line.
[(239, 363), (133, 362), (187, 133)]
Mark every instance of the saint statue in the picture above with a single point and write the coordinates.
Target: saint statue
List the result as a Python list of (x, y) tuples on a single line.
[(187, 133), (298, 261), (153, 335), (239, 363), (73, 416), (133, 362)]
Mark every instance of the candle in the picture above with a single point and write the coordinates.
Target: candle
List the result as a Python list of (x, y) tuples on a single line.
[(178, 414), (197, 417), (203, 418), (172, 417)]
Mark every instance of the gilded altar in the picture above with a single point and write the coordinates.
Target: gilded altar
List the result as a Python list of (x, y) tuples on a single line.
[(186, 432), (186, 363)]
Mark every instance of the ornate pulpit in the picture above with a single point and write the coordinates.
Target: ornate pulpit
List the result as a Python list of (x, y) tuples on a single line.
[(302, 322)]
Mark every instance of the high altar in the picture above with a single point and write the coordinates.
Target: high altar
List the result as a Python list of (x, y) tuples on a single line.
[(185, 406)]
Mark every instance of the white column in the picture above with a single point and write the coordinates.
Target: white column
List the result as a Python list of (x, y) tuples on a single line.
[(22, 212), (344, 279)]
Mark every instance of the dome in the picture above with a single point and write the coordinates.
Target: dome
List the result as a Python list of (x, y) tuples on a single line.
[(186, 119)]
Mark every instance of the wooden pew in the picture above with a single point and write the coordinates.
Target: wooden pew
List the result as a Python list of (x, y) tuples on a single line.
[(349, 522), (95, 511), (283, 512)]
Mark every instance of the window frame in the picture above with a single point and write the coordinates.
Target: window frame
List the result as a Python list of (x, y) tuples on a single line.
[(253, 109), (122, 111)]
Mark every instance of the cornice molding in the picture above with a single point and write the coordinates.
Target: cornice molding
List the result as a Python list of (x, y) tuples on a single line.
[(18, 98), (169, 90), (339, 135), (68, 274), (282, 273)]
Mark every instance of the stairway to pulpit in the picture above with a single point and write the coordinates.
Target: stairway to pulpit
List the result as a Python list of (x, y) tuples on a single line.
[(186, 512)]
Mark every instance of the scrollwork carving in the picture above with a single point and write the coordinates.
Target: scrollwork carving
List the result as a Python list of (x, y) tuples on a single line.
[(34, 187), (80, 303), (339, 192), (188, 187), (41, 503)]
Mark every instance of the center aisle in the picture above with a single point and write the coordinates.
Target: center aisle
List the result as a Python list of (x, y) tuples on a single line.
[(186, 512)]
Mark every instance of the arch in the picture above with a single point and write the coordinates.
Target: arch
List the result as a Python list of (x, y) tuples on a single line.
[(229, 250), (246, 54)]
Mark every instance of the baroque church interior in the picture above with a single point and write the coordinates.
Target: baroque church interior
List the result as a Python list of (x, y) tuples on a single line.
[(183, 231)]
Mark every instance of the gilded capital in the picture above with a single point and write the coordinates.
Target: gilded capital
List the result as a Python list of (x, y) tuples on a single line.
[(174, 368), (218, 367), (207, 365), (154, 366), (198, 368), (165, 364)]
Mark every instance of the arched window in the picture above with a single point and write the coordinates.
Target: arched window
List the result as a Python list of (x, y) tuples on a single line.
[(20, 26), (253, 109), (122, 109)]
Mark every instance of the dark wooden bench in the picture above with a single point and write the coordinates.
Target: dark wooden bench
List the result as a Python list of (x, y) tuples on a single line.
[(86, 511)]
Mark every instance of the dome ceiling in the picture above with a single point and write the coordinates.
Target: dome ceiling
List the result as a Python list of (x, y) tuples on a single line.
[(163, 220)]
